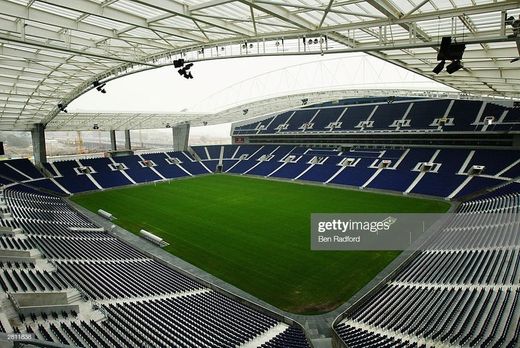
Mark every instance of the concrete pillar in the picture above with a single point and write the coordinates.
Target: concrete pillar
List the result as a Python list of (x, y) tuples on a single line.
[(113, 145), (181, 135), (38, 142), (128, 143)]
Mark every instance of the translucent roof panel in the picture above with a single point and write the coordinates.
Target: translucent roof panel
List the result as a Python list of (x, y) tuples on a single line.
[(52, 51)]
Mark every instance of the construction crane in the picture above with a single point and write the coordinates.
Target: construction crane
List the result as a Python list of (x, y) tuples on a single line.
[(80, 149)]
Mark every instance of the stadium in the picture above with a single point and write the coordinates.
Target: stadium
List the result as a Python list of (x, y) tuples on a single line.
[(368, 216)]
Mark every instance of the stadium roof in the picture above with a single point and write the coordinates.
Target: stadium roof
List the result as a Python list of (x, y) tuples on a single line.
[(51, 51), (244, 112)]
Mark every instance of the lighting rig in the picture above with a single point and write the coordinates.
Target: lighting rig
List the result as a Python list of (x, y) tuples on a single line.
[(451, 51), (183, 68)]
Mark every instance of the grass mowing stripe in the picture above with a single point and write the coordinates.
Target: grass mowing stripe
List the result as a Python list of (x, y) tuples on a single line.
[(254, 233)]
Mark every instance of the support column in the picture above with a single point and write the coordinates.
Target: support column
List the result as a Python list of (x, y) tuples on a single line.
[(113, 145), (38, 142), (128, 143), (181, 135)]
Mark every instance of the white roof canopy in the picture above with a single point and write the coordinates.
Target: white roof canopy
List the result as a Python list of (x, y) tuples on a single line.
[(51, 51)]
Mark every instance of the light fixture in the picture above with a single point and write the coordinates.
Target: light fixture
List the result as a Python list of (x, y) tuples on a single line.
[(62, 107), (305, 101), (184, 72), (95, 127), (454, 66), (439, 67), (515, 25), (178, 63), (100, 87), (452, 51), (245, 111)]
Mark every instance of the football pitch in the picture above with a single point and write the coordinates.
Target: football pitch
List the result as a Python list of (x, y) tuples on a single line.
[(255, 233)]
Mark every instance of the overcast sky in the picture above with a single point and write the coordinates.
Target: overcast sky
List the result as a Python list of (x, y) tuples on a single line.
[(219, 84)]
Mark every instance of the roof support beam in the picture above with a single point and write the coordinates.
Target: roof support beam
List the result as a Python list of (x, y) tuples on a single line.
[(207, 4), (37, 44), (393, 13), (325, 13), (306, 8), (179, 9), (120, 16), (413, 10), (281, 13), (47, 18), (504, 53), (428, 16)]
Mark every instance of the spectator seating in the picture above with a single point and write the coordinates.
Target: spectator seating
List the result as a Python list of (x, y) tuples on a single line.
[(376, 115), (401, 170), (450, 174), (144, 301), (462, 289)]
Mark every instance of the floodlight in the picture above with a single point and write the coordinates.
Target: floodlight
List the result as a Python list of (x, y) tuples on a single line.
[(62, 107), (454, 66), (178, 63), (439, 67), (100, 87), (450, 50)]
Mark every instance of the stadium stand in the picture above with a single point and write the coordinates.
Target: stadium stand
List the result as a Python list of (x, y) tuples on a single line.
[(449, 173), (163, 307), (417, 115), (386, 169), (103, 174), (419, 98), (462, 289)]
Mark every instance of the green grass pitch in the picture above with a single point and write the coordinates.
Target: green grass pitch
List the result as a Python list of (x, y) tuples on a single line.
[(255, 234)]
